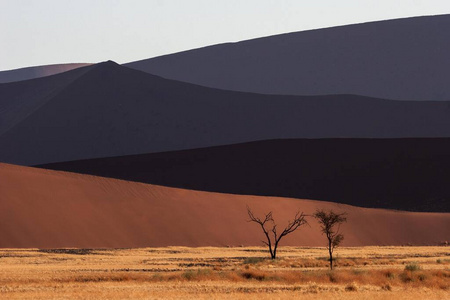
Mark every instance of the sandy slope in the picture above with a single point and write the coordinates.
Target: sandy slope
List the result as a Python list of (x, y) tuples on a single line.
[(403, 174), (38, 71), (395, 59), (111, 110), (41, 208), (18, 100)]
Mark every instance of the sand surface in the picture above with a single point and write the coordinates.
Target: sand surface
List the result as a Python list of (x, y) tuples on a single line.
[(47, 209), (37, 71), (402, 174)]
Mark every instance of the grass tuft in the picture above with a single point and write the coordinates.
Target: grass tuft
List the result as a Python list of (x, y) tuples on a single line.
[(260, 276), (412, 267), (351, 287)]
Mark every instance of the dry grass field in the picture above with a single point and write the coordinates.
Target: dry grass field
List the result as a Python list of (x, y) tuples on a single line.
[(225, 273)]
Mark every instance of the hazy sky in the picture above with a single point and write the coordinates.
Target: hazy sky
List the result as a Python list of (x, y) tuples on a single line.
[(37, 32)]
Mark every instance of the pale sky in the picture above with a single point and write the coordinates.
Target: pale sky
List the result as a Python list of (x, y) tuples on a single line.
[(39, 32)]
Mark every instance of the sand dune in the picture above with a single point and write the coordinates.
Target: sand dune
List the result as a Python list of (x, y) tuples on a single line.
[(404, 174), (403, 59), (36, 72), (41, 208), (18, 100), (111, 110)]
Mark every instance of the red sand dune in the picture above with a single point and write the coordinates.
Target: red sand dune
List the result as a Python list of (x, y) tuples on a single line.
[(46, 209)]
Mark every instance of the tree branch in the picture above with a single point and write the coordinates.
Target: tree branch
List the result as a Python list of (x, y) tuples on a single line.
[(298, 221)]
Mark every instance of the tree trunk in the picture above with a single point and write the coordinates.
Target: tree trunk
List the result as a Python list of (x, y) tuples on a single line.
[(330, 251), (274, 252), (271, 252)]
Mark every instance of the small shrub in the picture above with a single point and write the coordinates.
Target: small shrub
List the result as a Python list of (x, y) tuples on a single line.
[(254, 275), (390, 274), (188, 275), (196, 275), (412, 267), (351, 287), (297, 288), (406, 277), (386, 287), (422, 277)]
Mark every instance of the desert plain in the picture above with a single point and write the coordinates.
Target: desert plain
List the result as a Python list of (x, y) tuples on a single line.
[(225, 273)]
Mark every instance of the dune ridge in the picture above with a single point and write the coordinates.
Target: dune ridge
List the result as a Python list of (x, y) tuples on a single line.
[(37, 71), (18, 100), (401, 59), (48, 209), (111, 110)]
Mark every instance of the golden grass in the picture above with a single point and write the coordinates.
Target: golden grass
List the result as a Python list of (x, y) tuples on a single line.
[(225, 273)]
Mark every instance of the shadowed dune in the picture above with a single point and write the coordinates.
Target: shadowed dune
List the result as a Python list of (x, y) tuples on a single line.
[(406, 174), (403, 59), (48, 209), (18, 100), (110, 110), (36, 72)]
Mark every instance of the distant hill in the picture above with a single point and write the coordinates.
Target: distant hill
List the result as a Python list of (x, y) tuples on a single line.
[(107, 110), (403, 59), (405, 174), (48, 209), (36, 72)]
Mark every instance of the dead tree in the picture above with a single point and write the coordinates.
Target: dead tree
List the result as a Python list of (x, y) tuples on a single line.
[(272, 242), (328, 220)]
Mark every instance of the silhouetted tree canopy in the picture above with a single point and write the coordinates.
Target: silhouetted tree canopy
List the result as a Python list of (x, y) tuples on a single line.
[(269, 228), (328, 221)]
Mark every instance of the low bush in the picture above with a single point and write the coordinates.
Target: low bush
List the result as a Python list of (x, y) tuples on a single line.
[(412, 267), (351, 287)]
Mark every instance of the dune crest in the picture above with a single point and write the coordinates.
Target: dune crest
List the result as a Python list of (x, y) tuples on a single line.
[(401, 59), (37, 71)]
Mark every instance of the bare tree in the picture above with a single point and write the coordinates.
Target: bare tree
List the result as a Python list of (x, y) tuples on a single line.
[(272, 242), (328, 220)]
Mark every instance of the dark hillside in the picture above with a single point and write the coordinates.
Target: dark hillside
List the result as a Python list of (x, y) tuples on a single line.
[(404, 174)]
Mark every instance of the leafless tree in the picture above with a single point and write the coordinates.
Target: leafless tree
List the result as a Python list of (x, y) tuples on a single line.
[(328, 221), (269, 228)]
